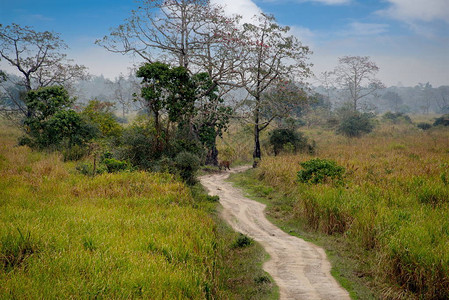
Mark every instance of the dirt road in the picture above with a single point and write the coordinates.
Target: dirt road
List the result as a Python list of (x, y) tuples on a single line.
[(300, 269)]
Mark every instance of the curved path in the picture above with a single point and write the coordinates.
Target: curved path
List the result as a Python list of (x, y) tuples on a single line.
[(300, 269)]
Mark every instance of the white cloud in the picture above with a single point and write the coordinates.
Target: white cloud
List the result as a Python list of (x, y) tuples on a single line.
[(418, 10), (325, 2), (305, 35), (357, 28), (246, 8)]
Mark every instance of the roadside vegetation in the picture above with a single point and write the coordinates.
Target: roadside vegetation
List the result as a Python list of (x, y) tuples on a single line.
[(379, 204), (128, 234)]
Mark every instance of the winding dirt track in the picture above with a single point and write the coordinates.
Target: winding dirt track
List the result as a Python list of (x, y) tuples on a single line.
[(300, 269)]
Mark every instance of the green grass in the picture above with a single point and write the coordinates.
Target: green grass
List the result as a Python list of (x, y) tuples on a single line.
[(114, 236)]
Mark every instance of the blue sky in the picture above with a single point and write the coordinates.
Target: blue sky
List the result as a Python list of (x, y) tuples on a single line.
[(408, 39)]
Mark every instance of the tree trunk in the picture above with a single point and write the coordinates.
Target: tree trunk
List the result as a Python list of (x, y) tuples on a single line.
[(29, 112), (257, 153), (212, 156), (158, 130)]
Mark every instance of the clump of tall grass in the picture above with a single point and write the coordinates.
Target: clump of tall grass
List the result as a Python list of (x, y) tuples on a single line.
[(15, 248)]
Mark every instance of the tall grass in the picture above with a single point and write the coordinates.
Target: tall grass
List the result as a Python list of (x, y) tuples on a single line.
[(114, 236), (394, 205)]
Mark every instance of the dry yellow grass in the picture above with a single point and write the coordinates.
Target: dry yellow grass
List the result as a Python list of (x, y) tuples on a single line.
[(394, 204)]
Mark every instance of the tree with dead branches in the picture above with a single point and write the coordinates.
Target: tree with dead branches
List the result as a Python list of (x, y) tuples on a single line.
[(274, 59), (356, 77), (39, 58)]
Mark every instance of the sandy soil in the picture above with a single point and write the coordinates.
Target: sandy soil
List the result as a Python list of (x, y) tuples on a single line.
[(300, 269)]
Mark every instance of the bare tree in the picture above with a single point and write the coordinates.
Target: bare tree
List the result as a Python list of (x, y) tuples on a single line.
[(190, 33), (39, 59), (123, 93), (273, 58), (327, 82), (356, 76)]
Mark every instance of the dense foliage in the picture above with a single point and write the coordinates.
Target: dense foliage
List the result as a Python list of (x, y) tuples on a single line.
[(443, 121), (320, 171), (289, 140), (355, 124), (397, 117), (51, 123)]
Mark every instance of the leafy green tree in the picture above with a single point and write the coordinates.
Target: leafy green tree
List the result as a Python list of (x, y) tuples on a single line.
[(101, 116), (192, 102), (167, 89), (211, 117), (52, 122)]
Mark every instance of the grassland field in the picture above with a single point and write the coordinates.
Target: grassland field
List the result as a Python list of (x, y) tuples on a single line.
[(129, 235), (386, 228)]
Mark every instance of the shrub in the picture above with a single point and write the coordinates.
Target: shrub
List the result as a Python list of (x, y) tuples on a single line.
[(396, 117), (139, 146), (320, 171), (443, 120), (242, 241), (289, 140), (187, 164), (424, 126), (115, 165), (88, 169), (355, 124), (262, 279)]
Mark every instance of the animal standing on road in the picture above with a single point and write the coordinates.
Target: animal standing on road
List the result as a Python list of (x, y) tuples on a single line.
[(224, 164)]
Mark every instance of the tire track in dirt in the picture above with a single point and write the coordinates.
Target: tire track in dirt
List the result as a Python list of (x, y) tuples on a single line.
[(300, 269)]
